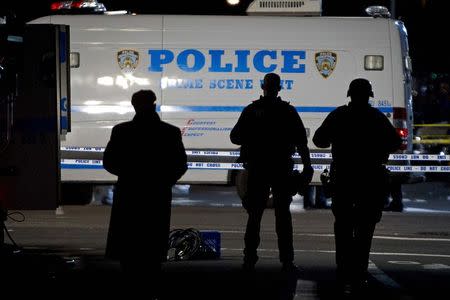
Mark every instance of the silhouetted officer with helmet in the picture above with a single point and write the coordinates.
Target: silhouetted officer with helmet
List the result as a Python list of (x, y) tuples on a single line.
[(361, 139), (270, 131)]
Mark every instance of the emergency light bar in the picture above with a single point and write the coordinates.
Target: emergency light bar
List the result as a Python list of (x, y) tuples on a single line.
[(78, 6)]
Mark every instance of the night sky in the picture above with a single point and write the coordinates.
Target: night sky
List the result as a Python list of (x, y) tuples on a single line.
[(426, 20)]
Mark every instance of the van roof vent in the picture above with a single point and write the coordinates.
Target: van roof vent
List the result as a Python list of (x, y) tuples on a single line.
[(285, 7)]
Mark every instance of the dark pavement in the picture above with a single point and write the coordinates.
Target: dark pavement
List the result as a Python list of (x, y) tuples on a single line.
[(47, 274), (62, 253)]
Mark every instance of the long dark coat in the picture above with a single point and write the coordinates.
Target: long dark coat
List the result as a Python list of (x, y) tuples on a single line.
[(148, 157)]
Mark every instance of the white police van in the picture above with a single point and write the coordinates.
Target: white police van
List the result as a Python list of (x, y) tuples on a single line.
[(206, 69)]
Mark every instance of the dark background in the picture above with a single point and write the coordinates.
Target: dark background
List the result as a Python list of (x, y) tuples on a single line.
[(426, 20)]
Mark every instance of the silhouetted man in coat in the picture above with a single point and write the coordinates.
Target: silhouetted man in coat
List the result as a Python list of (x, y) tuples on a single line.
[(361, 138), (270, 131), (148, 157)]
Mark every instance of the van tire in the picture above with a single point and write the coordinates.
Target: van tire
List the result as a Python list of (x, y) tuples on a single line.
[(76, 193)]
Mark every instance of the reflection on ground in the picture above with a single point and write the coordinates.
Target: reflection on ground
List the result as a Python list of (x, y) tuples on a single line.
[(426, 197), (430, 196)]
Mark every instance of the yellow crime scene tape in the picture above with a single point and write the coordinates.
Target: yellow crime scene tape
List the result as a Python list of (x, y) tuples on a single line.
[(432, 125), (433, 141), (430, 138)]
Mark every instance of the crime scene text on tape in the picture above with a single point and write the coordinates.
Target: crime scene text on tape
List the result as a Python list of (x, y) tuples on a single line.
[(314, 155), (98, 164)]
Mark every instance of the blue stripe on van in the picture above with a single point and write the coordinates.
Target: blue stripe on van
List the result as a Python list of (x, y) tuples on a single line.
[(176, 108), (75, 166), (170, 108), (198, 108), (304, 109), (386, 109)]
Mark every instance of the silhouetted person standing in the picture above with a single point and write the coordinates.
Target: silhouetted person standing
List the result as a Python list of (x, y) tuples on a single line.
[(361, 139), (270, 131), (148, 157)]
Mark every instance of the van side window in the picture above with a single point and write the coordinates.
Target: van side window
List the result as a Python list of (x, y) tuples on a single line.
[(74, 59), (373, 62)]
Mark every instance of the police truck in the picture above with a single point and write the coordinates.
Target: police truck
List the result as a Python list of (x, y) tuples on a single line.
[(206, 69)]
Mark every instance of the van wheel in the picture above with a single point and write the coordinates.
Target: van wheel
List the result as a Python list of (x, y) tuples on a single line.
[(76, 193)]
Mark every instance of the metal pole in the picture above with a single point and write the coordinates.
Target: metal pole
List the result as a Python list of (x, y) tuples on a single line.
[(393, 12)]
